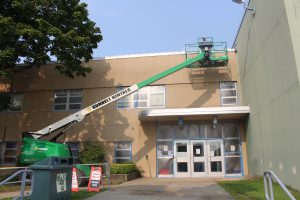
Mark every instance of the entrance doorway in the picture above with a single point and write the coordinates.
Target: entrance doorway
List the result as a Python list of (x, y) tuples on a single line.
[(198, 158)]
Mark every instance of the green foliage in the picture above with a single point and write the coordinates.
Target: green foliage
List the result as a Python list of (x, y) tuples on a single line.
[(31, 31), (123, 168), (5, 100), (92, 153)]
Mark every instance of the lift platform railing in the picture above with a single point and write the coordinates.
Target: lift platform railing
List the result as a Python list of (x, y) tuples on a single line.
[(269, 176), (217, 53)]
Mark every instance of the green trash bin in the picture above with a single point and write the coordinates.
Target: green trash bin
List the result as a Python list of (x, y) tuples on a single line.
[(52, 178)]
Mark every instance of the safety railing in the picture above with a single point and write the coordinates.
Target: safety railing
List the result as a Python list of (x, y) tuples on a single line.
[(23, 174), (268, 183)]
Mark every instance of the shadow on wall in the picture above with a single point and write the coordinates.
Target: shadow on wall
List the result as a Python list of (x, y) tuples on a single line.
[(199, 81), (38, 86)]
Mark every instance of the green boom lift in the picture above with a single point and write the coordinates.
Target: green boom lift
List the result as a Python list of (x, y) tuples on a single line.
[(204, 53)]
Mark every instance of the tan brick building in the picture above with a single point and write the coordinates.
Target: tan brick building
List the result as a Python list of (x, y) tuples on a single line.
[(188, 124)]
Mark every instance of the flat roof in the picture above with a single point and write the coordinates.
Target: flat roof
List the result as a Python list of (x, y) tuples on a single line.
[(207, 113)]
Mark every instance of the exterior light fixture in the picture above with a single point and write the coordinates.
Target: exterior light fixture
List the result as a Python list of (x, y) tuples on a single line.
[(245, 5), (215, 122), (180, 122)]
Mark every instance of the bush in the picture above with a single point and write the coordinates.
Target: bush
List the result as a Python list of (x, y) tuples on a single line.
[(123, 168), (92, 153)]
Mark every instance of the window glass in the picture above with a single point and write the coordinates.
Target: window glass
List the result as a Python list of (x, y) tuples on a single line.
[(16, 102), (233, 165), (8, 152), (232, 146), (164, 148), (228, 92), (231, 130), (123, 152), (165, 166), (68, 99), (214, 131), (197, 131), (146, 97), (165, 132), (181, 132)]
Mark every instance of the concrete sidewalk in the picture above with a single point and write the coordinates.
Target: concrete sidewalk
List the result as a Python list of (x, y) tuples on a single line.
[(165, 189)]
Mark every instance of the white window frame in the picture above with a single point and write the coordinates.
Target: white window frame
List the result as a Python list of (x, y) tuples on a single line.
[(146, 91), (228, 97), (123, 158), (68, 96), (3, 150)]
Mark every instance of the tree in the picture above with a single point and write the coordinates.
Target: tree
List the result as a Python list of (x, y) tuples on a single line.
[(33, 31)]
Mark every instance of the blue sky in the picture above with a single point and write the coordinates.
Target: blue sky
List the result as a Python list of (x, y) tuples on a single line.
[(139, 26)]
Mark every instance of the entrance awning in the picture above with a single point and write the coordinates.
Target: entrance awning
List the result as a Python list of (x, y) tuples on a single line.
[(225, 113)]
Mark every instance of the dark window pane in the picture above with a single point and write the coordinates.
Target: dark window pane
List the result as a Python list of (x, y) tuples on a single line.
[(60, 100), (214, 132), (233, 165), (123, 153), (182, 167), (11, 145), (74, 106), (181, 147), (75, 99), (230, 130), (216, 166), (165, 132), (60, 107), (181, 132), (199, 167)]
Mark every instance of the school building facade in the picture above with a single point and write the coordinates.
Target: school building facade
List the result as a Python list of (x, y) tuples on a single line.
[(188, 124)]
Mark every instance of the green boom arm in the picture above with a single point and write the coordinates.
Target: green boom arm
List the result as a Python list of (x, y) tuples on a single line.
[(78, 116)]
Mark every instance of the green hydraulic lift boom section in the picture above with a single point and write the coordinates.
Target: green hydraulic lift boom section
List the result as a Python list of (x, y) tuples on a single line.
[(34, 149), (172, 70)]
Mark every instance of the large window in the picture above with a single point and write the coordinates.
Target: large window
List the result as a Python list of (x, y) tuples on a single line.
[(147, 97), (68, 99), (122, 152), (8, 152), (16, 102), (228, 93)]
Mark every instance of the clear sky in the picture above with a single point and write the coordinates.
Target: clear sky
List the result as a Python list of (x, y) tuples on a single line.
[(140, 26)]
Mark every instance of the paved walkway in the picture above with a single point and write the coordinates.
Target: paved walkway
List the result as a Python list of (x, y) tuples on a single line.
[(165, 189)]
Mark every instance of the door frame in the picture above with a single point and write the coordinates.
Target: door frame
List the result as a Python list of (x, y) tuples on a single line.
[(182, 158), (211, 158), (198, 159)]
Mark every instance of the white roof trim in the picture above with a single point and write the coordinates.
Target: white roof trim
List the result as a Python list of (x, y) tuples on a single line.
[(146, 55), (194, 111)]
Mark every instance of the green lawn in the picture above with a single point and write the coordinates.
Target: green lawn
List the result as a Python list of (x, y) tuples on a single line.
[(254, 190), (82, 194)]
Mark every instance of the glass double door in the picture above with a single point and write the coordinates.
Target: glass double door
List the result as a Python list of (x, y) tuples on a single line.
[(198, 158)]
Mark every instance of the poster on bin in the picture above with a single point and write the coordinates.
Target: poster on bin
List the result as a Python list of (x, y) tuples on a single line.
[(61, 182), (95, 177)]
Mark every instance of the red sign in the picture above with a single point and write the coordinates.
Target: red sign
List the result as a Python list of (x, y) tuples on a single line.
[(95, 177), (74, 181)]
